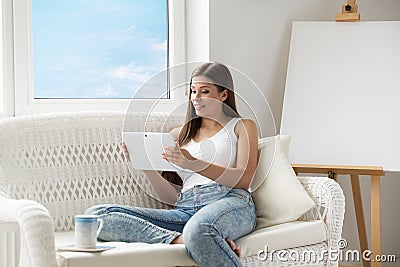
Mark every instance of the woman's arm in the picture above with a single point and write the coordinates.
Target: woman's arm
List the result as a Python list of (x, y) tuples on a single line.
[(246, 159), (166, 191)]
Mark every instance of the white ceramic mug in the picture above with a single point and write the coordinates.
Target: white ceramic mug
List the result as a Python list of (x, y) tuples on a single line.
[(87, 228)]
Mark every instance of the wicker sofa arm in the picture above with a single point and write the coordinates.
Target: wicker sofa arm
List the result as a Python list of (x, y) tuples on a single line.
[(36, 231), (330, 206)]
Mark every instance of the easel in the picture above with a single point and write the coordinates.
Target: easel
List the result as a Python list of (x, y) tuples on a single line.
[(349, 12), (354, 171)]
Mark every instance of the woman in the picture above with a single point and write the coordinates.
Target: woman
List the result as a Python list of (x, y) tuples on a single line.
[(217, 151)]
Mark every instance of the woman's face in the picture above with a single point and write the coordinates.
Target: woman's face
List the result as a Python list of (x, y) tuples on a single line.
[(205, 97)]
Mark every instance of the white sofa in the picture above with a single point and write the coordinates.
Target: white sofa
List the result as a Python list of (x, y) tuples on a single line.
[(55, 166)]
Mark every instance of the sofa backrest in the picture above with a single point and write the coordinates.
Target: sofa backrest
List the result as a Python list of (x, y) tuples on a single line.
[(71, 161)]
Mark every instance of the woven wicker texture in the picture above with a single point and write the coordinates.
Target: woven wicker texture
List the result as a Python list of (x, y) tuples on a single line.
[(328, 196), (69, 162)]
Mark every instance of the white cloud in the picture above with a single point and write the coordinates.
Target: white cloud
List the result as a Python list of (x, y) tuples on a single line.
[(131, 72), (160, 46), (130, 28), (107, 91)]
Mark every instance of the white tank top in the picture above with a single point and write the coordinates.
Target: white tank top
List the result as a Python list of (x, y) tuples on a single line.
[(219, 149)]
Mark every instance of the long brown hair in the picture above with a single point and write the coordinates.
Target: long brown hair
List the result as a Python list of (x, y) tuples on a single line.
[(221, 77)]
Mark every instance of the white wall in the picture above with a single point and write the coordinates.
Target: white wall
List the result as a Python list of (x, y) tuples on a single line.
[(1, 60), (253, 36), (197, 33)]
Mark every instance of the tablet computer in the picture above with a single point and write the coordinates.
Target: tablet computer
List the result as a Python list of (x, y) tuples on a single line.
[(145, 149)]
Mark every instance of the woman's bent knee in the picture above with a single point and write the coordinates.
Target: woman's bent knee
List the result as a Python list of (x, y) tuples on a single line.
[(199, 236), (95, 210)]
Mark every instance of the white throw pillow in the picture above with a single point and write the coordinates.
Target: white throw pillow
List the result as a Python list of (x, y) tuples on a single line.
[(277, 192)]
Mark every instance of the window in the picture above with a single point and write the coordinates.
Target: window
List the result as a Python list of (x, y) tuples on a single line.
[(89, 58), (98, 49)]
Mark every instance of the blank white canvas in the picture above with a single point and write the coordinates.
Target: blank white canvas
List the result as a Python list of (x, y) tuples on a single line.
[(342, 95)]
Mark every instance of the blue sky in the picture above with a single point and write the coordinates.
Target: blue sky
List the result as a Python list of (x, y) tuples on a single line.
[(97, 48)]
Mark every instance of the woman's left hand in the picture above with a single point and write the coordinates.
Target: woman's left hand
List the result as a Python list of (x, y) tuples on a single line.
[(178, 156)]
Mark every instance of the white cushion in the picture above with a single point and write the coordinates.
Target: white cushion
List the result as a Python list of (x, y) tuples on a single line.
[(277, 192), (283, 236), (124, 255), (288, 235)]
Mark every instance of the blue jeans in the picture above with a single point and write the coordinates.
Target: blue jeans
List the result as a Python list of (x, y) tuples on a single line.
[(205, 215)]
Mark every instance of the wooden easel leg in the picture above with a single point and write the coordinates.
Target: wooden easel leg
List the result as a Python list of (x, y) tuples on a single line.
[(362, 231), (375, 219)]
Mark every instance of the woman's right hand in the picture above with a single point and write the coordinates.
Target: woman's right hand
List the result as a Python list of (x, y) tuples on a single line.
[(126, 153)]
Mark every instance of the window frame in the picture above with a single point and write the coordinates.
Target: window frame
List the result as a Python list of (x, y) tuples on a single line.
[(7, 60), (22, 51)]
